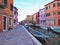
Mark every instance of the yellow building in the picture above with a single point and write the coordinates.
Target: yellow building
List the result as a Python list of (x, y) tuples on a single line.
[(29, 18), (34, 17)]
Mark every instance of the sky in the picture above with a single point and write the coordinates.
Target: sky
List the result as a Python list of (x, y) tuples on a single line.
[(29, 7)]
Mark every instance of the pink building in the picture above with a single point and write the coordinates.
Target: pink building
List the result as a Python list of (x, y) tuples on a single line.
[(15, 17)]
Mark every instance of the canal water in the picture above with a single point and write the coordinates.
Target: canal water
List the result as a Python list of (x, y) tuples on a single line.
[(50, 39)]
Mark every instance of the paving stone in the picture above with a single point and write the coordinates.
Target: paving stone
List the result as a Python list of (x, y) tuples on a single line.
[(18, 36)]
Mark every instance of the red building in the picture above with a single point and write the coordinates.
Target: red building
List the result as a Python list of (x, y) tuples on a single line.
[(57, 0), (53, 13), (37, 18)]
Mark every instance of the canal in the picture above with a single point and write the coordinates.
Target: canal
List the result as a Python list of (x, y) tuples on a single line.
[(44, 36)]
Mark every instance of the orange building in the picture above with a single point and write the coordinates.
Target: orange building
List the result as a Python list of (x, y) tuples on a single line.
[(6, 14), (53, 13)]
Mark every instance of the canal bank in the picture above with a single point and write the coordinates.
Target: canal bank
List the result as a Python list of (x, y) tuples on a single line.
[(53, 39)]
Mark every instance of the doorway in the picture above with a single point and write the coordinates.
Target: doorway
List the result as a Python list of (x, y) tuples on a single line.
[(4, 23)]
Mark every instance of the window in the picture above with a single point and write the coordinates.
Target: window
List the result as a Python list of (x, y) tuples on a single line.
[(54, 13), (58, 12), (48, 14), (41, 21), (10, 23), (54, 5), (14, 21), (5, 3), (15, 12), (58, 4), (46, 8), (44, 15), (51, 21), (11, 7), (44, 20)]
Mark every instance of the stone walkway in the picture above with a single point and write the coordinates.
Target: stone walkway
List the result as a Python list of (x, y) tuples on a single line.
[(16, 37)]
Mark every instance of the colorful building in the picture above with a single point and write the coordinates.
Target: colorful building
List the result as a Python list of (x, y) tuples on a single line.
[(34, 17), (29, 18), (42, 17), (53, 13), (6, 15), (37, 18), (15, 17)]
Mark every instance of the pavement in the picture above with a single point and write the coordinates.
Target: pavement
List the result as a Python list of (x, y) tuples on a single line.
[(16, 37)]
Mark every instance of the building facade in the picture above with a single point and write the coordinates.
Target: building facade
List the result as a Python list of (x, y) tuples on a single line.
[(42, 17), (15, 17), (6, 15), (37, 18), (29, 18), (34, 17), (53, 13)]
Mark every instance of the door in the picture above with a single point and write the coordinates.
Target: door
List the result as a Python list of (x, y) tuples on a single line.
[(58, 22), (4, 23)]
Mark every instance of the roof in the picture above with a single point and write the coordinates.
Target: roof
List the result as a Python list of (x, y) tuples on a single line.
[(16, 8), (49, 3), (42, 9)]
